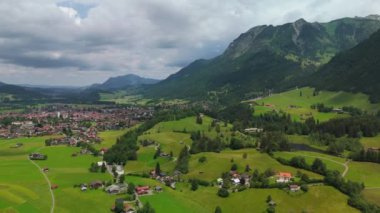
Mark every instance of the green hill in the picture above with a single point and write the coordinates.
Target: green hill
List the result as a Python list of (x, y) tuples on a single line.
[(300, 106), (265, 57), (355, 70)]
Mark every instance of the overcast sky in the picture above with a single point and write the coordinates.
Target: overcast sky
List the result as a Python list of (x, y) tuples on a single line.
[(80, 42)]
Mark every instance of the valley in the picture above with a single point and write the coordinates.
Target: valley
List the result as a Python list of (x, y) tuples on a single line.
[(285, 119)]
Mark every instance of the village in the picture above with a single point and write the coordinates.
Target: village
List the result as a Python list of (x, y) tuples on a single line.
[(78, 124)]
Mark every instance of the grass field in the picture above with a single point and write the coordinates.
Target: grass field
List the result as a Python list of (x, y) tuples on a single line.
[(368, 173), (109, 137), (317, 199), (24, 189), (371, 142), (282, 101), (22, 186), (372, 195)]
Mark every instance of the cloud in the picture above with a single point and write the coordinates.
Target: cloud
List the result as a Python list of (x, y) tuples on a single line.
[(77, 42)]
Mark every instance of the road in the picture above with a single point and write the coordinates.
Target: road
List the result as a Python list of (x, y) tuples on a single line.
[(49, 183)]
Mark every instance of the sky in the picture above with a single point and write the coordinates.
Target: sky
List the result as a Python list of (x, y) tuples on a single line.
[(81, 42)]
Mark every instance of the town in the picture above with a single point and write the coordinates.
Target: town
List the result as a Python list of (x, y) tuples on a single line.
[(78, 124)]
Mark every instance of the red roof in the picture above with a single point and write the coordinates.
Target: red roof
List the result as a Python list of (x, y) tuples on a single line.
[(142, 188), (285, 174)]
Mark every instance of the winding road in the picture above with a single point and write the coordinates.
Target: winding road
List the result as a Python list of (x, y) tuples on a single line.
[(49, 183)]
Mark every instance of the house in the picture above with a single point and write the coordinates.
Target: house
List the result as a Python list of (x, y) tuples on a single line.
[(45, 169), (158, 189), (141, 190), (100, 163), (253, 130), (235, 181), (294, 188), (117, 189), (83, 188), (283, 177), (54, 186), (96, 184)]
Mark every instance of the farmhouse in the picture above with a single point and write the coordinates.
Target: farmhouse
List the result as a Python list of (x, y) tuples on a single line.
[(294, 188), (96, 184), (142, 190), (283, 177), (116, 189), (253, 130)]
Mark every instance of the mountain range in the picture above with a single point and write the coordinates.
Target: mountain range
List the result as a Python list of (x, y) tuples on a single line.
[(354, 70), (123, 82), (266, 58), (337, 55)]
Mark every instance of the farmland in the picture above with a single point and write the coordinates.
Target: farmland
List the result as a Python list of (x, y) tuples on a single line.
[(319, 198), (24, 189)]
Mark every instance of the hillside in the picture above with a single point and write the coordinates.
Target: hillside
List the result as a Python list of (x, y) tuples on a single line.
[(266, 57), (355, 70), (18, 93), (299, 107), (122, 82)]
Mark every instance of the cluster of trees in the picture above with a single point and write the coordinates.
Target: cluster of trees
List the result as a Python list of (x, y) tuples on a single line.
[(369, 155), (273, 141), (299, 162), (336, 146), (355, 127), (202, 143), (194, 183), (321, 107), (183, 160), (124, 149)]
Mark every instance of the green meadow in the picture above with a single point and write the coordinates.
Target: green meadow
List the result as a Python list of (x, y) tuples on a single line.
[(299, 106), (372, 195), (205, 199), (24, 189), (371, 141)]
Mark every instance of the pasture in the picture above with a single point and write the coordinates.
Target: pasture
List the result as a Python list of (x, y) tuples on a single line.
[(24, 189), (205, 199), (299, 106)]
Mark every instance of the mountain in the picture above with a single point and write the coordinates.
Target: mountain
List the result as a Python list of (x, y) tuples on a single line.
[(122, 82), (354, 70), (19, 93), (266, 58)]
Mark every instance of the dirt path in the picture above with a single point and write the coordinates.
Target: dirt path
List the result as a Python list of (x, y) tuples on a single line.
[(49, 183)]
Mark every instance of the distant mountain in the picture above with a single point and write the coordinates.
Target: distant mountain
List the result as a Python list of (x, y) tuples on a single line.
[(355, 70), (266, 58), (125, 81), (20, 93)]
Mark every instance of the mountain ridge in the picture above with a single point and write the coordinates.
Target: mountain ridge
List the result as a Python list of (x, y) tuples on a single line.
[(266, 57)]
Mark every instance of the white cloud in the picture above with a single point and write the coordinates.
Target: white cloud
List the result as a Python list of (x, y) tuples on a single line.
[(72, 13), (51, 44)]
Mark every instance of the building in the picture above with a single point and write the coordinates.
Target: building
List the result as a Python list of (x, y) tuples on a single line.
[(294, 188), (283, 177), (142, 190)]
